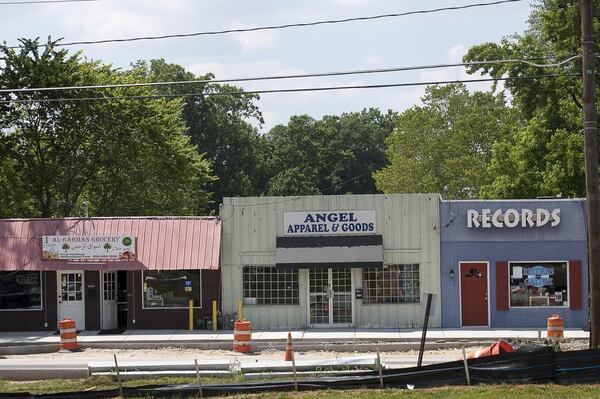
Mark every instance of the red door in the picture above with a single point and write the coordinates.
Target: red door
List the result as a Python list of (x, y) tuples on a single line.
[(474, 294)]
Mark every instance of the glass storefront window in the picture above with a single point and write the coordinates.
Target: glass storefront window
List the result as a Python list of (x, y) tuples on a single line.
[(265, 285), (20, 290), (538, 284), (391, 284), (171, 289)]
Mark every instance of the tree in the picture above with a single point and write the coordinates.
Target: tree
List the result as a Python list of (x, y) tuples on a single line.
[(119, 155), (446, 144), (220, 126), (544, 155), (334, 155)]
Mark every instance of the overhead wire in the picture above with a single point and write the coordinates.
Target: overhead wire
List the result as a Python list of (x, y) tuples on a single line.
[(281, 26), (528, 61), (289, 90), (13, 3)]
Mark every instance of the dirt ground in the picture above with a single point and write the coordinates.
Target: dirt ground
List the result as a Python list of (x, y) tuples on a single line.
[(172, 353)]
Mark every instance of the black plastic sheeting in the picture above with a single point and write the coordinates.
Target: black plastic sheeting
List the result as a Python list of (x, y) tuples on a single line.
[(536, 366)]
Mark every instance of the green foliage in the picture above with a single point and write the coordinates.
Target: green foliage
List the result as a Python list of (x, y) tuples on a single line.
[(545, 156), (446, 144), (219, 126), (121, 156), (334, 155)]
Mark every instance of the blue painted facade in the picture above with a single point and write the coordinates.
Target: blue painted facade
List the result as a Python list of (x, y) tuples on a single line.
[(459, 243)]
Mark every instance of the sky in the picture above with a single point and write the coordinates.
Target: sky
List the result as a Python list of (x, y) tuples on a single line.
[(442, 37)]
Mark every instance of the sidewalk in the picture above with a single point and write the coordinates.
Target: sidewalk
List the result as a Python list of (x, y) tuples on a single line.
[(346, 335)]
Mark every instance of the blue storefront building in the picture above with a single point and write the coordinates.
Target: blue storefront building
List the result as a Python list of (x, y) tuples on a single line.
[(513, 263)]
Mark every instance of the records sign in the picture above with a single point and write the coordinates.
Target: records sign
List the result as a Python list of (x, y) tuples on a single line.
[(88, 247)]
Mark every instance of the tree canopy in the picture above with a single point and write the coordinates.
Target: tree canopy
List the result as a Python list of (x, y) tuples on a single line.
[(334, 155), (543, 156), (117, 156), (445, 145)]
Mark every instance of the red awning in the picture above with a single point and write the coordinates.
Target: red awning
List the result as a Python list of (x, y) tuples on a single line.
[(162, 243)]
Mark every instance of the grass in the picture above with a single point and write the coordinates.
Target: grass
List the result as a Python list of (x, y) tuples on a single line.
[(476, 392)]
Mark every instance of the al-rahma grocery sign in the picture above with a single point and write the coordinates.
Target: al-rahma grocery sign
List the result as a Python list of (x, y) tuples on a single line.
[(88, 247)]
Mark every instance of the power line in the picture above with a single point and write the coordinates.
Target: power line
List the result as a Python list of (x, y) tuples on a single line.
[(291, 90), (283, 26), (527, 61), (11, 3)]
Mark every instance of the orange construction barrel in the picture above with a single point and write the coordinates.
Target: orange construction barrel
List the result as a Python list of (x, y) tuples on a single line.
[(556, 326), (242, 336), (68, 335)]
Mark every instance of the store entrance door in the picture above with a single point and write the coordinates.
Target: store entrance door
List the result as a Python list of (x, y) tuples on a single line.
[(330, 297), (71, 301), (474, 294), (109, 300)]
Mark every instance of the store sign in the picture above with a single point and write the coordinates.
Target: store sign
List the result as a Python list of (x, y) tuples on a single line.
[(329, 222), (88, 247), (486, 218)]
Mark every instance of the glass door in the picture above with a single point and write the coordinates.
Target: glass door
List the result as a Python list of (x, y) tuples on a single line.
[(70, 297), (330, 297)]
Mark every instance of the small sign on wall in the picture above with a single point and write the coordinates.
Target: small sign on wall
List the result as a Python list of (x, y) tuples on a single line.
[(188, 286), (358, 293)]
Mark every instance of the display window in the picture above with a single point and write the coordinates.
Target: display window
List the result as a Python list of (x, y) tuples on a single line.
[(265, 285), (20, 290), (171, 288), (535, 284), (391, 284)]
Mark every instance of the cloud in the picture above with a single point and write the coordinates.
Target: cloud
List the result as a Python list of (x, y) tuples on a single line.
[(252, 41), (374, 60)]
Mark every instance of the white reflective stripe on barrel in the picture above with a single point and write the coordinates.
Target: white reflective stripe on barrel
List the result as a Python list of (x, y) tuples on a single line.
[(550, 328), (236, 332), (67, 340), (67, 330), (242, 343)]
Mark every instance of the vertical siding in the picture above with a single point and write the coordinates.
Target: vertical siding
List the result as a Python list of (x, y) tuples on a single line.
[(409, 224)]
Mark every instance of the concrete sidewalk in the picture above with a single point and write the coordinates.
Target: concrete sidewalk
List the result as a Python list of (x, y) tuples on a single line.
[(131, 338)]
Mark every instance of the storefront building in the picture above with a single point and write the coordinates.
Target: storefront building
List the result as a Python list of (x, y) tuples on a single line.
[(514, 263), (331, 261), (108, 273)]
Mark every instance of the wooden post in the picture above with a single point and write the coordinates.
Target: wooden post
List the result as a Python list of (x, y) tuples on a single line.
[(466, 366), (200, 395), (240, 310), (588, 65), (214, 314), (294, 371), (379, 370), (191, 315), (118, 376)]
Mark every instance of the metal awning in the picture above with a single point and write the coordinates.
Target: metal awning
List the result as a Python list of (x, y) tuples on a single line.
[(162, 243), (329, 251)]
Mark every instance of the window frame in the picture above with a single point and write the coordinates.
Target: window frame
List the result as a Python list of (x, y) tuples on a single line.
[(568, 285), (41, 293), (144, 307), (244, 297), (370, 303)]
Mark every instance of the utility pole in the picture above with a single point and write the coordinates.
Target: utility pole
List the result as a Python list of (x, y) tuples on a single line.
[(591, 167)]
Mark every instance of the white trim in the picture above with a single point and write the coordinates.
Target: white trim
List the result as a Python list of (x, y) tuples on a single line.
[(516, 200), (541, 307), (172, 307), (41, 293), (487, 264)]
